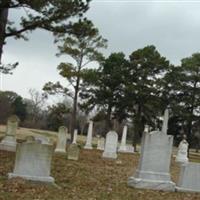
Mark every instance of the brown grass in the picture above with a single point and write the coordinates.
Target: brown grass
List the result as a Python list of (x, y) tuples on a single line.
[(90, 178)]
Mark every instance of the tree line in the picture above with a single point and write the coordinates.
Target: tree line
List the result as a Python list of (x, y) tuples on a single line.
[(135, 89)]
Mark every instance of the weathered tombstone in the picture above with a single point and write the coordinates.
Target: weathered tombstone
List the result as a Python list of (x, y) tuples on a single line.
[(42, 139), (122, 147), (73, 152), (9, 141), (88, 144), (182, 154), (110, 150), (129, 149), (75, 136), (155, 159), (189, 179), (62, 139), (30, 139), (100, 143), (33, 162)]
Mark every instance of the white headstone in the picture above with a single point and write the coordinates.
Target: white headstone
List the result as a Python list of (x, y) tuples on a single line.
[(129, 149), (100, 143), (154, 164), (8, 143), (42, 139), (33, 162), (75, 136), (62, 139), (88, 144), (189, 180), (110, 150), (182, 154), (122, 147), (165, 122)]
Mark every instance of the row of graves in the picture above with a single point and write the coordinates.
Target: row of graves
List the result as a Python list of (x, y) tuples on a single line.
[(33, 157)]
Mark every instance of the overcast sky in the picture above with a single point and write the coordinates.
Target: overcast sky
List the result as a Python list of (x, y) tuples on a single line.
[(172, 26)]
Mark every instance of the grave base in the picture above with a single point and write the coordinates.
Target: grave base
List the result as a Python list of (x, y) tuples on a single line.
[(8, 146), (151, 184), (88, 147), (60, 151), (109, 155), (46, 179)]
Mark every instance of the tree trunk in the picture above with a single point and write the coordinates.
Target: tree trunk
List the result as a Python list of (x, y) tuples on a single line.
[(3, 22), (108, 120)]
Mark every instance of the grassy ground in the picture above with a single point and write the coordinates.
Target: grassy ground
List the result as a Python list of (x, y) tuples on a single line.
[(90, 178)]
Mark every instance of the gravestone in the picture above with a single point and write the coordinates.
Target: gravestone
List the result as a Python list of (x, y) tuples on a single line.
[(73, 152), (110, 150), (129, 149), (88, 144), (62, 139), (42, 139), (122, 147), (30, 139), (100, 143), (182, 154), (33, 162), (75, 136), (189, 179), (8, 143), (153, 171)]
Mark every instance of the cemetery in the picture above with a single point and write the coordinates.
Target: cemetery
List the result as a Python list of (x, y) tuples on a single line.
[(58, 170), (99, 100)]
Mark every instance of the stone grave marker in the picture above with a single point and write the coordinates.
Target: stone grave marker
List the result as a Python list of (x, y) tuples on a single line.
[(75, 136), (33, 162), (189, 179), (62, 139), (122, 147), (100, 143), (73, 152), (30, 139), (8, 143), (110, 150), (88, 144), (182, 154), (153, 171)]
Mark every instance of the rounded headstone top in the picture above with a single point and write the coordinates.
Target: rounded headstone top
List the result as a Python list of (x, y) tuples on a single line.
[(112, 133), (13, 118), (30, 138), (62, 128)]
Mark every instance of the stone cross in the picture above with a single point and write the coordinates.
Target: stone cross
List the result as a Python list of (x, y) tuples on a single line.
[(88, 144)]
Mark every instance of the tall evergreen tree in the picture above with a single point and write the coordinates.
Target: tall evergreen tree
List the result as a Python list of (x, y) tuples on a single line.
[(56, 16), (82, 45)]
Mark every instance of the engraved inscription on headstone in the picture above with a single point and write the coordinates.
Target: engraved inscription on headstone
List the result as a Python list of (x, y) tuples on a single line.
[(33, 162), (73, 152)]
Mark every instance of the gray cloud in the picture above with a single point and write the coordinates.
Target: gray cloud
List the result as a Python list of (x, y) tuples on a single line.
[(172, 26)]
